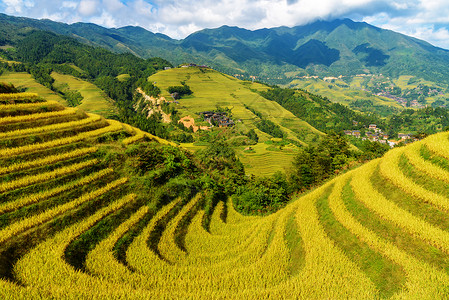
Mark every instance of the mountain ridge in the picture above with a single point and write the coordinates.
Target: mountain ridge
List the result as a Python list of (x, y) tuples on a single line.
[(323, 48)]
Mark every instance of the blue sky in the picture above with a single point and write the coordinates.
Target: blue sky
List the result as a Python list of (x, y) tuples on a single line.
[(424, 19)]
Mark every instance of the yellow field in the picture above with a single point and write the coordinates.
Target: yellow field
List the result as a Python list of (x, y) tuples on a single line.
[(378, 231)]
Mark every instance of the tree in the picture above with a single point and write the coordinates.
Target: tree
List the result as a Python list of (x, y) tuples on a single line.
[(313, 164), (253, 135), (73, 98), (181, 90)]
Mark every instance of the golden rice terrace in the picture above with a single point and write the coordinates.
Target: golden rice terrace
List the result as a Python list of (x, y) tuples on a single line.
[(379, 231)]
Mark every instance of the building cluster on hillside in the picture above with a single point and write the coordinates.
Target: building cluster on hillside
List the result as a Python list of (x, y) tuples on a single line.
[(375, 134), (194, 65), (217, 119), (400, 100)]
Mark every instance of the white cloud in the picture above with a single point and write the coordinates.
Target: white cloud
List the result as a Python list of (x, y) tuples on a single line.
[(69, 4), (105, 19), (88, 7), (113, 5), (17, 6)]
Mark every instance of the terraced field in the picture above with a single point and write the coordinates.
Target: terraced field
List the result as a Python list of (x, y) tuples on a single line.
[(264, 160), (379, 231), (212, 89)]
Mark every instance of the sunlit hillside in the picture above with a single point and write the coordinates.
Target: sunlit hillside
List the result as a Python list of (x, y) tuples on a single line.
[(73, 226), (94, 100)]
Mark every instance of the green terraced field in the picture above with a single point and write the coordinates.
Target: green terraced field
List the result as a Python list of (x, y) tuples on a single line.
[(264, 162), (27, 81), (212, 89), (95, 100)]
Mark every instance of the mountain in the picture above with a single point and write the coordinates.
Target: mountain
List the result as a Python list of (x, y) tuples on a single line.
[(324, 48), (340, 47)]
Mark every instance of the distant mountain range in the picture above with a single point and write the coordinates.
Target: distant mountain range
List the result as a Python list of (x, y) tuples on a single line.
[(324, 48)]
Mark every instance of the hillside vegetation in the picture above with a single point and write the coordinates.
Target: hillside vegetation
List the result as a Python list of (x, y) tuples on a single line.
[(77, 221)]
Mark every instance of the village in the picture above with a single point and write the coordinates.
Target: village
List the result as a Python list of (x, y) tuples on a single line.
[(375, 134), (219, 119)]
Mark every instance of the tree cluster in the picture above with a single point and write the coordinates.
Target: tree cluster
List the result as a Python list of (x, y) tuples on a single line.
[(314, 164), (179, 90)]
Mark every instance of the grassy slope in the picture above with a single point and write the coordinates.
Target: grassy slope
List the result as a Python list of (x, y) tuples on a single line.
[(95, 101), (212, 89), (26, 80), (340, 92)]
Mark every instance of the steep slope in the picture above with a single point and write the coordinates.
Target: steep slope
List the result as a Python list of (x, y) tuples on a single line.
[(214, 91), (377, 231)]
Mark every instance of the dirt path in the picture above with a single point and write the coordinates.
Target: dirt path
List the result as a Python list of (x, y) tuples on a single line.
[(189, 121)]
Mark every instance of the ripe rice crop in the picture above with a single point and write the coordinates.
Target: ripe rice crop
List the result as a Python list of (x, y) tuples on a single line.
[(423, 281), (50, 128), (34, 198), (412, 154), (389, 168), (33, 179), (26, 106), (37, 116), (47, 160), (115, 126), (25, 224), (18, 97), (376, 202)]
